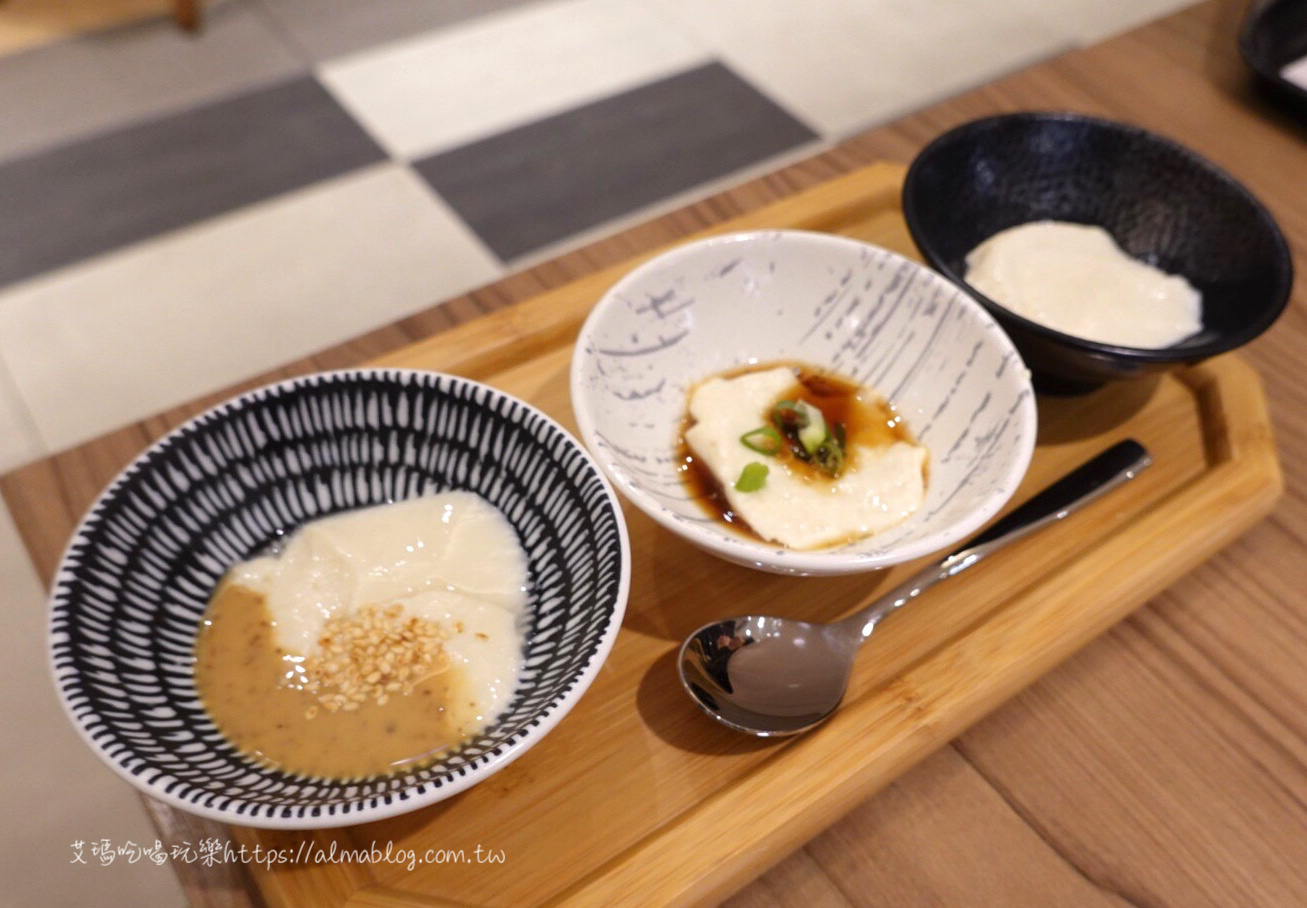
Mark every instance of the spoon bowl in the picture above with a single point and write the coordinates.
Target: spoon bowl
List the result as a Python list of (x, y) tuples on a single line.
[(730, 668), (770, 676)]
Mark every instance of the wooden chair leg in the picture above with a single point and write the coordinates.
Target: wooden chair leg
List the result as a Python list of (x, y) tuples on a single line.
[(187, 14)]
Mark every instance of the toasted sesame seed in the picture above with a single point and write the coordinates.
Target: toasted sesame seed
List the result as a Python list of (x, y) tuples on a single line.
[(372, 653)]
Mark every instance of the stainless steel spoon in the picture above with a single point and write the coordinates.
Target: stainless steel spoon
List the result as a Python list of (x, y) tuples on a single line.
[(778, 676)]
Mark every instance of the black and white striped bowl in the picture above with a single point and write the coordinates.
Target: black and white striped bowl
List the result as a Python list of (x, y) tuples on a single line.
[(838, 304), (136, 578)]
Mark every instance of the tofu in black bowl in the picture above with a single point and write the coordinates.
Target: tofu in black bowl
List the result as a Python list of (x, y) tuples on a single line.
[(1076, 300), (1273, 43)]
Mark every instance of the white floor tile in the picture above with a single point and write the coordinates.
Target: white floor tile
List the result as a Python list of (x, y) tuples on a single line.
[(108, 341), (334, 28), (54, 790), (844, 65), (434, 92), (19, 440)]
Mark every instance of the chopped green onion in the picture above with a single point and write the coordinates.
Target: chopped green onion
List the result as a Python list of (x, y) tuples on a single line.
[(813, 432), (764, 440), (829, 457), (810, 438), (752, 477), (788, 417)]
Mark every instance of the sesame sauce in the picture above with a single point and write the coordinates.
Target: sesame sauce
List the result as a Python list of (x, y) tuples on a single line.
[(359, 720)]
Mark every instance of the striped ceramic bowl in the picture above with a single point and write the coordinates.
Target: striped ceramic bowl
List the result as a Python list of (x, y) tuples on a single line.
[(137, 576)]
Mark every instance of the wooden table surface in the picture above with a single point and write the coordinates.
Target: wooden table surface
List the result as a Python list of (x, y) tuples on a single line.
[(1165, 764)]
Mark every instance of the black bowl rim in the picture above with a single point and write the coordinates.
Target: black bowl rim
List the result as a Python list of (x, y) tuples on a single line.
[(1140, 355), (1257, 62), (385, 806)]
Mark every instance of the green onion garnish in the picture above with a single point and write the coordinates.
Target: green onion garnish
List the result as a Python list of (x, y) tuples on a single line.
[(752, 477), (809, 437), (813, 432), (829, 457), (764, 440), (789, 417), (802, 422)]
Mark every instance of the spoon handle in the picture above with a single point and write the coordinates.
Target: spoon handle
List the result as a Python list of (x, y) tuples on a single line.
[(1118, 464)]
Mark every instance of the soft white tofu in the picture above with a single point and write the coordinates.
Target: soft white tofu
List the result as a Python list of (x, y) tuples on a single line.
[(483, 643), (878, 488), (454, 542), (1076, 279)]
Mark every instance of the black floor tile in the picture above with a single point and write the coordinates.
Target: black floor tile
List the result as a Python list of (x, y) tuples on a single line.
[(107, 192), (536, 184)]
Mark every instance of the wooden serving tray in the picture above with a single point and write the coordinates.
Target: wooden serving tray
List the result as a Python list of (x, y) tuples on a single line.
[(637, 798)]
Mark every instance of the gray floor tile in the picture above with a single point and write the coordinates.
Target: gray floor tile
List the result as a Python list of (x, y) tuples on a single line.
[(539, 183), (104, 193), (98, 82), (323, 29)]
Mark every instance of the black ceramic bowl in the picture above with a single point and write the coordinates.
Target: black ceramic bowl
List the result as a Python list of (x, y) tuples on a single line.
[(1162, 203), (1274, 35)]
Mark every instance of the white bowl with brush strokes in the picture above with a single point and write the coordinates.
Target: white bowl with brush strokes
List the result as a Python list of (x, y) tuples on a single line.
[(837, 304)]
